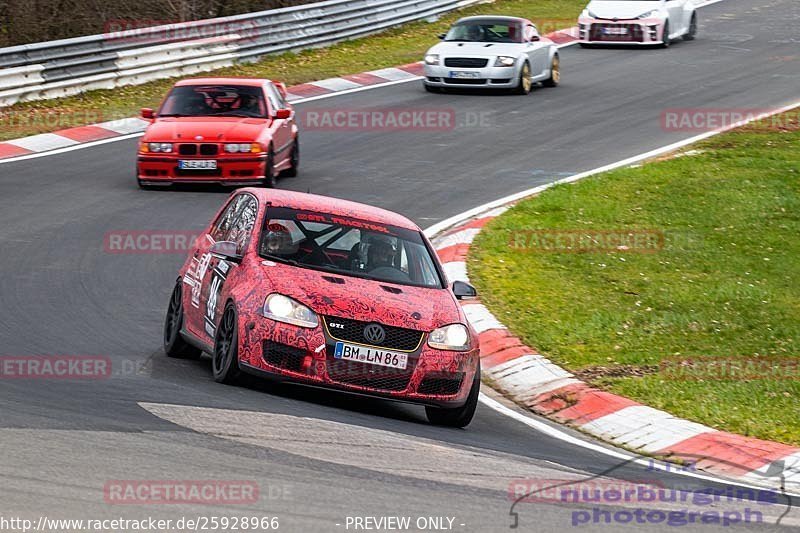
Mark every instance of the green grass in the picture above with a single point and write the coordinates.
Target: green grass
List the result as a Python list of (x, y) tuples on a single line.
[(725, 284), (402, 45)]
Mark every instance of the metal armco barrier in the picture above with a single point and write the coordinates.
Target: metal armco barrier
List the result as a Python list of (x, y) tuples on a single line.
[(70, 66)]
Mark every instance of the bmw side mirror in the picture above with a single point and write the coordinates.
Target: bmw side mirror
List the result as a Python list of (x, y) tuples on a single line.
[(147, 113), (283, 114), (464, 291), (226, 250), (441, 36)]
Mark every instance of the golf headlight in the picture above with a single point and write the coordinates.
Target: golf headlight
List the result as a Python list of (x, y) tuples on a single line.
[(284, 309), (431, 59), (649, 14), (159, 147), (453, 337), (504, 61), (233, 148)]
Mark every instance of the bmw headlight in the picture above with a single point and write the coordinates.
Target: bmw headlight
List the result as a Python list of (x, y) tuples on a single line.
[(284, 309), (233, 148), (431, 59), (453, 337), (504, 61), (649, 14), (159, 147)]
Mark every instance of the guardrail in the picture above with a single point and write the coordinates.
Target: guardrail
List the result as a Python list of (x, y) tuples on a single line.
[(70, 66)]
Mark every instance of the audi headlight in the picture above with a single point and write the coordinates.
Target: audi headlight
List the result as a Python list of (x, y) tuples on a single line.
[(233, 148), (504, 61), (431, 59), (453, 337), (159, 147), (284, 309), (649, 14)]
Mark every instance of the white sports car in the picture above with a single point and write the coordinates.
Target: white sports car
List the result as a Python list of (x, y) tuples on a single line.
[(637, 22), (492, 52)]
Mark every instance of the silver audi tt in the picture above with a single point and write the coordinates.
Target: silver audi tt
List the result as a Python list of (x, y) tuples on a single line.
[(492, 52)]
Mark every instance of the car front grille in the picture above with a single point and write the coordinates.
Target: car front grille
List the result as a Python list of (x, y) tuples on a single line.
[(445, 384), (466, 62), (283, 355), (464, 81), (633, 35), (194, 149), (371, 376), (349, 330)]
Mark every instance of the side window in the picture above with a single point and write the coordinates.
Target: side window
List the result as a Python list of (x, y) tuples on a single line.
[(243, 225), (275, 98), (222, 226)]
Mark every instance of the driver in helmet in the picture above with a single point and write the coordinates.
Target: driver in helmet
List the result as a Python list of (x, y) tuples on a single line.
[(277, 240), (194, 104), (381, 253), (474, 33)]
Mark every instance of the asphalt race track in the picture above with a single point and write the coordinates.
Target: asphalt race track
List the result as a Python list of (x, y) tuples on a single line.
[(320, 457)]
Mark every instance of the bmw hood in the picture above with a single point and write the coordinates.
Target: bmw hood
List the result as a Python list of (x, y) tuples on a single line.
[(609, 9), (365, 300), (211, 129), (458, 49)]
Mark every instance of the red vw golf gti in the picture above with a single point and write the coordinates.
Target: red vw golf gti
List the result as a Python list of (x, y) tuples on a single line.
[(326, 292), (232, 131)]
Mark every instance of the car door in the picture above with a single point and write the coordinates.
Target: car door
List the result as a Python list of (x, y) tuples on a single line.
[(677, 15), (238, 229), (536, 49), (282, 128)]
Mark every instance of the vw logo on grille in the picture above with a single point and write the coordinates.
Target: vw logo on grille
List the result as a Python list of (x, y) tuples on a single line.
[(374, 333)]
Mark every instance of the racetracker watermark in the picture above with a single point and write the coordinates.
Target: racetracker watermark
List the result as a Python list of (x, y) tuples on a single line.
[(149, 242), (587, 241), (159, 31), (730, 368), (169, 492), (68, 367), (712, 119), (394, 119), (52, 119)]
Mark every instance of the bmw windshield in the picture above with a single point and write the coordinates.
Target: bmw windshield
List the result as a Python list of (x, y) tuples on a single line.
[(214, 101), (348, 246)]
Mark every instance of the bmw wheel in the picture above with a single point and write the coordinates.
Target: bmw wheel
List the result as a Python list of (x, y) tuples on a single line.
[(174, 344), (294, 158), (270, 179), (225, 362), (457, 417), (525, 83)]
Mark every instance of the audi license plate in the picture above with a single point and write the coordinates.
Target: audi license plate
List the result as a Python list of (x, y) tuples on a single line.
[(197, 164), (364, 354), (464, 74)]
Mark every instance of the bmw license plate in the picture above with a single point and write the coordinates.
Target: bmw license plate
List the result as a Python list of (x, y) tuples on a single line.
[(616, 31), (464, 74), (197, 164), (364, 354)]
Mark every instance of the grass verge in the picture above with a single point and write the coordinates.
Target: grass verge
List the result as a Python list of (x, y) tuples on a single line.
[(397, 46), (724, 283)]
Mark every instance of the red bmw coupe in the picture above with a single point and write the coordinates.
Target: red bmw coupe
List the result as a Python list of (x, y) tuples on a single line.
[(330, 293), (232, 131)]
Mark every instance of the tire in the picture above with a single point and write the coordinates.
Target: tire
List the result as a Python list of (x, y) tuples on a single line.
[(692, 32), (666, 40), (270, 179), (174, 344), (291, 172), (225, 359), (458, 417), (555, 73), (525, 84)]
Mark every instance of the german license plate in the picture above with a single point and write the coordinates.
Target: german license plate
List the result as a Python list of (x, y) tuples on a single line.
[(464, 74), (365, 354), (616, 31), (197, 164)]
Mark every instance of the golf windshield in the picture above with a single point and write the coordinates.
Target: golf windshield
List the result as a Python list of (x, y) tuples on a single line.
[(486, 31), (348, 246)]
